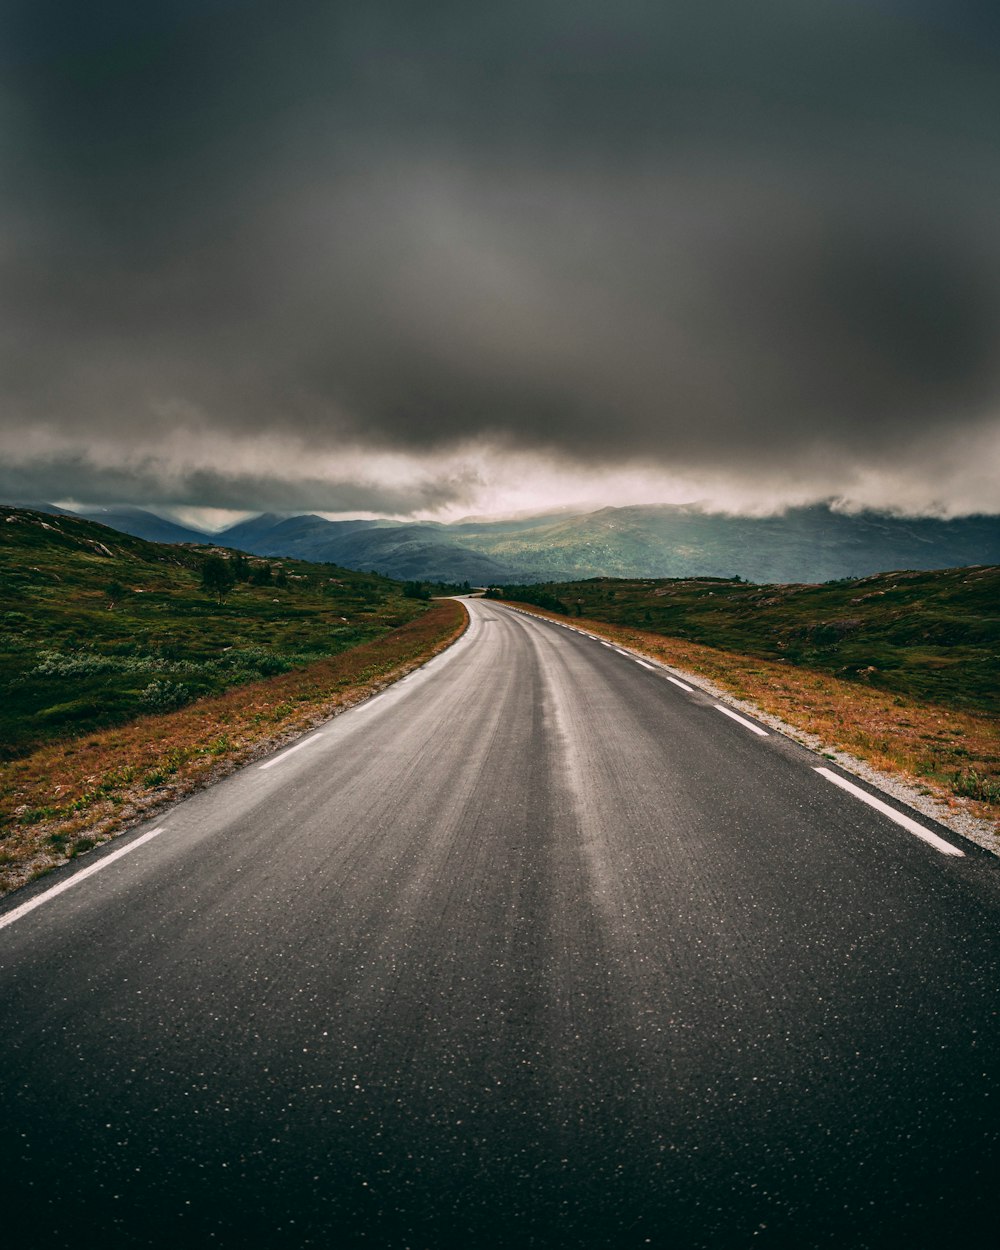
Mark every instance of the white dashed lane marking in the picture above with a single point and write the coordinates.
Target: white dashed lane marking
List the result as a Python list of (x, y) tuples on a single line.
[(911, 826), (39, 899), (747, 724), (291, 750)]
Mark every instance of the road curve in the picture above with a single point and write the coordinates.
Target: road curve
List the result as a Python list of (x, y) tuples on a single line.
[(536, 948)]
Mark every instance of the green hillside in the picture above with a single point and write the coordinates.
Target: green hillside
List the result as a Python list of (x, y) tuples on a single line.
[(98, 627), (802, 544), (931, 635), (813, 544)]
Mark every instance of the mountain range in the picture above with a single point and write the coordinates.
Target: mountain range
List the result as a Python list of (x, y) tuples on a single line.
[(808, 544)]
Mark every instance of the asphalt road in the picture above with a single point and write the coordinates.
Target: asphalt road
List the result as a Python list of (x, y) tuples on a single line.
[(534, 949)]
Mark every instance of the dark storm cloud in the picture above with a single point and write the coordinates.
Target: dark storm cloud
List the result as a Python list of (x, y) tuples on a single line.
[(713, 235)]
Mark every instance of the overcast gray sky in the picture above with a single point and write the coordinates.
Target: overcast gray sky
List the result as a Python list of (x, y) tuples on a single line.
[(450, 257)]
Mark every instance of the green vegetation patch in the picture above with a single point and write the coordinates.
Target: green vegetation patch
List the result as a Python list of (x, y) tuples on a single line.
[(98, 627), (932, 636)]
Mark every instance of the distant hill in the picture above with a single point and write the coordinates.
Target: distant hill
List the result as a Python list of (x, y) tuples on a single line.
[(37, 505), (306, 537), (814, 544), (408, 552), (142, 524), (418, 552)]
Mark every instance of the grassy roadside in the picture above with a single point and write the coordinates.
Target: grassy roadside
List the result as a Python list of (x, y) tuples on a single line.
[(64, 798), (948, 754), (98, 628), (931, 636)]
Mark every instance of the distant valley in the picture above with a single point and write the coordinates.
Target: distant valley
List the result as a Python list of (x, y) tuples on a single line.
[(810, 544)]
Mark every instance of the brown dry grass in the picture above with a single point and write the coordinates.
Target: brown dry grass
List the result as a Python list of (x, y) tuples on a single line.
[(932, 747), (67, 797)]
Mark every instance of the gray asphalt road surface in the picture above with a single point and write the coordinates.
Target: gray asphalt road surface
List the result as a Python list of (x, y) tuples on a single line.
[(534, 949)]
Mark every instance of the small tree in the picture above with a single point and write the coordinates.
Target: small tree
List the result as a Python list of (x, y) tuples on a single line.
[(217, 577)]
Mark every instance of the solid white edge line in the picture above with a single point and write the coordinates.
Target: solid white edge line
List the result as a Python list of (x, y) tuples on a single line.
[(23, 910), (645, 665), (919, 831), (686, 689), (748, 724), (291, 750)]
